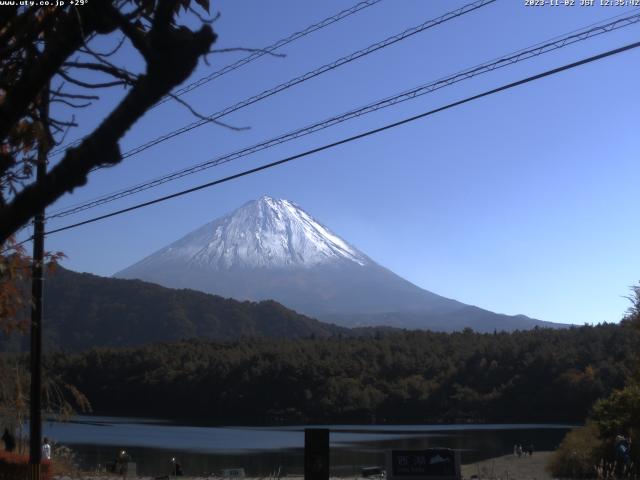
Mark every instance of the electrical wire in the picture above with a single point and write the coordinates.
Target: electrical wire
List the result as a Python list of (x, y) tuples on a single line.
[(280, 43), (510, 59), (248, 59), (368, 133), (311, 74), (308, 76)]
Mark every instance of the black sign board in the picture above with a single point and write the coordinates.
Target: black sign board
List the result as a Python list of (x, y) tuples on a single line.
[(367, 472), (433, 462), (316, 454)]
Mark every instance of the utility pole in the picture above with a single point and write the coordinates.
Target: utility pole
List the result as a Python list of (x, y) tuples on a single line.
[(37, 281), (35, 420)]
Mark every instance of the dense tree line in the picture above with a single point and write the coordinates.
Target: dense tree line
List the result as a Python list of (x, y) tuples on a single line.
[(541, 375), (606, 447)]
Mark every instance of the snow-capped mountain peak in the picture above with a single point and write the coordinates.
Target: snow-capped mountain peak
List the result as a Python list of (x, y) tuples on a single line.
[(270, 249), (266, 232)]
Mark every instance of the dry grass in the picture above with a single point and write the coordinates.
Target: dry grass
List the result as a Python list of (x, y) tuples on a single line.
[(63, 461), (510, 467)]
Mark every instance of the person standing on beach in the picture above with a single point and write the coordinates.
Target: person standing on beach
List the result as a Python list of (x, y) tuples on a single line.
[(176, 467), (9, 440), (122, 462), (46, 449)]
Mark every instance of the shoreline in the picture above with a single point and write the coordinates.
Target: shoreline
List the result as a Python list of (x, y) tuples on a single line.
[(506, 467)]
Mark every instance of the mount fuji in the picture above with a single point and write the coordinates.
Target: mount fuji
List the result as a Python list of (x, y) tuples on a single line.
[(272, 249)]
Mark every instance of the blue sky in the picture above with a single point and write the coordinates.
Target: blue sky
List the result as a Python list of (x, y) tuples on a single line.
[(522, 202)]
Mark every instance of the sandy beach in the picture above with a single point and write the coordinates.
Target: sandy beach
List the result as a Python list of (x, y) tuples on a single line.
[(510, 467)]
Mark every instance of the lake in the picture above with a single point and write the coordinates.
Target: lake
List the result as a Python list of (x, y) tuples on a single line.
[(263, 450)]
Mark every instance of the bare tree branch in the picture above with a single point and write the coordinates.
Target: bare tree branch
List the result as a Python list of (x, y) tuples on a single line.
[(60, 123), (98, 56), (107, 54), (71, 104), (204, 117), (202, 18), (65, 39), (110, 70), (135, 36), (178, 50), (76, 96), (64, 134), (80, 83)]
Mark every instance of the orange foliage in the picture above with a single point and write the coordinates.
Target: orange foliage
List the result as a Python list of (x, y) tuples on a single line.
[(15, 273), (16, 467)]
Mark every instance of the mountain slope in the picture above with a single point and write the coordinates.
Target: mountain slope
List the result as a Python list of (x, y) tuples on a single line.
[(83, 311), (272, 249)]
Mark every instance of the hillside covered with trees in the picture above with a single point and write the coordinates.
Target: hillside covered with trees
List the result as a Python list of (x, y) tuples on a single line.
[(84, 311), (605, 446), (542, 375)]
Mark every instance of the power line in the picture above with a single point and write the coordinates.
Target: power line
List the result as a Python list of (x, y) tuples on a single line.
[(15, 245), (309, 75), (280, 43), (515, 57), (250, 58), (356, 137)]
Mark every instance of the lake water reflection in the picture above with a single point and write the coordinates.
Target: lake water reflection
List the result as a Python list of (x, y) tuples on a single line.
[(263, 450)]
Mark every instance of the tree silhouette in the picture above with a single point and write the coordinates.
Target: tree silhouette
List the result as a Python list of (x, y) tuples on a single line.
[(46, 54)]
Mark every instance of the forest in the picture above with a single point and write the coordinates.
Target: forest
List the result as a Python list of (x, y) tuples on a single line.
[(540, 375)]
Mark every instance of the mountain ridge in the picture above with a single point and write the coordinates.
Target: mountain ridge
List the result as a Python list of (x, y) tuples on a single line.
[(82, 311), (272, 249)]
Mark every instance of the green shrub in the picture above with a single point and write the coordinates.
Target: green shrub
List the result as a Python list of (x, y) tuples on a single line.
[(619, 413), (579, 455)]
